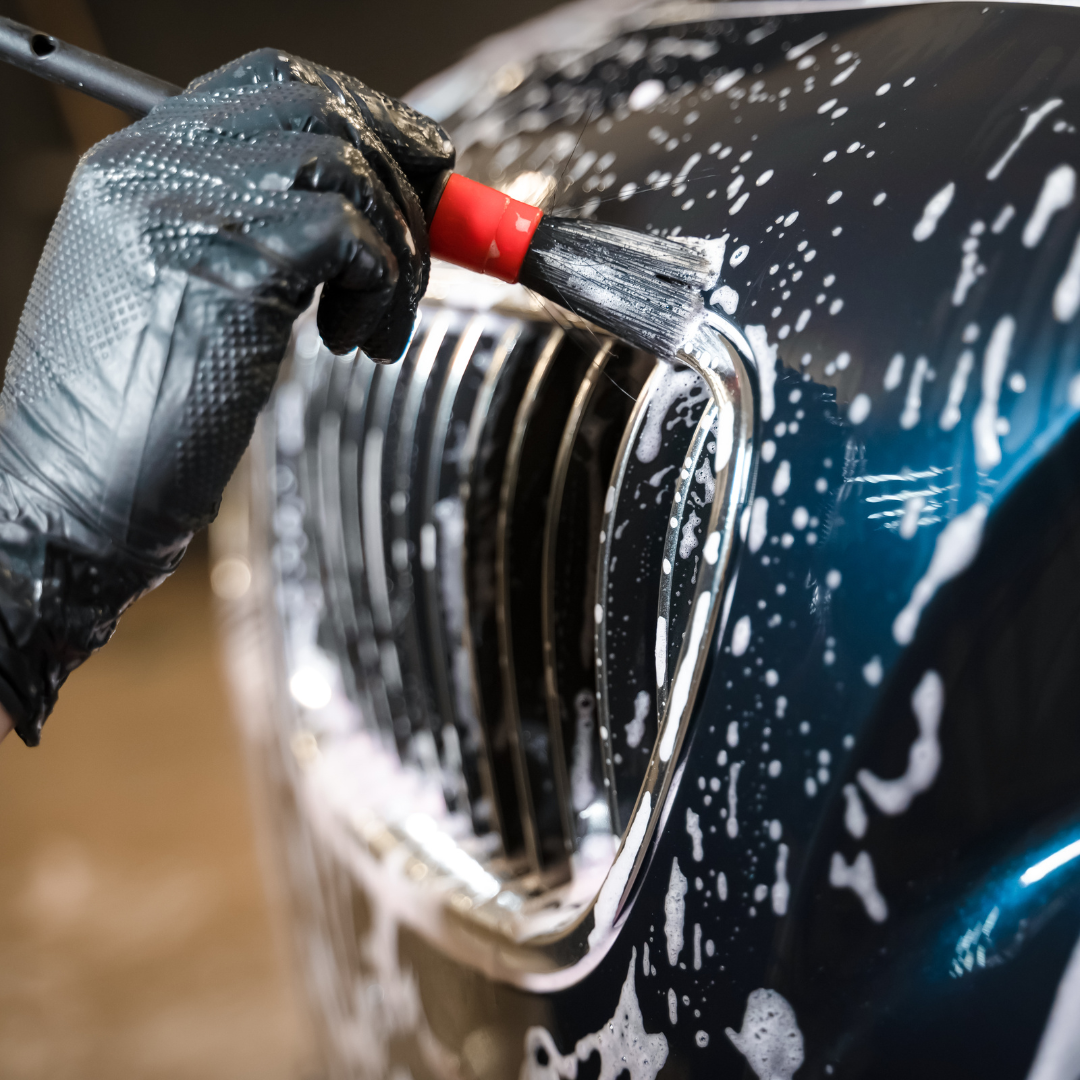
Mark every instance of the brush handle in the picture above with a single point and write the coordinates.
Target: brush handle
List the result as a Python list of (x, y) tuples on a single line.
[(471, 225), (97, 76)]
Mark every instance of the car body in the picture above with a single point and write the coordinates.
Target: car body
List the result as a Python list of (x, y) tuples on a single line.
[(571, 779)]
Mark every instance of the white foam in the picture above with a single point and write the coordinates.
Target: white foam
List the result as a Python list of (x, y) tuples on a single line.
[(859, 878), (765, 358), (733, 800), (800, 50), (894, 373), (740, 636), (984, 426), (1058, 1055), (725, 297), (660, 652), (624, 1046), (645, 960), (721, 885), (855, 820), (711, 550), (924, 758), (782, 478), (645, 94), (873, 671), (693, 828), (950, 415), (1057, 192), (859, 409), (956, 546), (672, 1006), (781, 890), (607, 902), (582, 788), (697, 946), (675, 912), (733, 733), (770, 1038), (1031, 122), (759, 524), (635, 730), (932, 212), (1067, 294), (682, 384), (913, 402)]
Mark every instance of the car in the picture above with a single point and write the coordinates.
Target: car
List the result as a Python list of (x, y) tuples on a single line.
[(710, 714)]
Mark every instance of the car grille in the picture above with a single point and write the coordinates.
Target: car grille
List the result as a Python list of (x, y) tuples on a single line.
[(494, 565)]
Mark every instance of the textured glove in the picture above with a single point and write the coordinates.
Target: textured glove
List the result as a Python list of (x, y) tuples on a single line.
[(186, 246)]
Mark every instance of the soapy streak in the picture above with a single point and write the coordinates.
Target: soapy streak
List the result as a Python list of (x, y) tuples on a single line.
[(1030, 124), (956, 547), (984, 426), (859, 878), (675, 912), (924, 758)]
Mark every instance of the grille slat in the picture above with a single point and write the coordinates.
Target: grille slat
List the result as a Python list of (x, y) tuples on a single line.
[(572, 538)]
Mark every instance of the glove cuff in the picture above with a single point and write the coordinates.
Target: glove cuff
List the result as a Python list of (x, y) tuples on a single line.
[(58, 604)]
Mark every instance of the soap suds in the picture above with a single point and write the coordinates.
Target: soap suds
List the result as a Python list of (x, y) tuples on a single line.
[(913, 402), (854, 813), (781, 890), (635, 730), (759, 524), (932, 213), (660, 653), (984, 426), (924, 758), (675, 912), (859, 878), (733, 800), (894, 373), (1067, 293), (765, 357), (607, 902), (740, 636), (781, 478), (770, 1038), (672, 1006), (956, 546), (582, 789), (683, 386), (1057, 192), (950, 415), (624, 1046), (1031, 122), (693, 828)]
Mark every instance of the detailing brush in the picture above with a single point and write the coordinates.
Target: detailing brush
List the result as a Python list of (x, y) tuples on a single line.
[(647, 290)]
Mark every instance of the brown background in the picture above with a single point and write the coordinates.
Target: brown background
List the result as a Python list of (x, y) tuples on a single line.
[(135, 935)]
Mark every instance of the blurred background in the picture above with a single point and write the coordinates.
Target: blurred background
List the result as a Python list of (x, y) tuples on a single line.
[(138, 937)]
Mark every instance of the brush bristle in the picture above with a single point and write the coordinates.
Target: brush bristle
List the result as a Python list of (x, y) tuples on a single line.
[(645, 289)]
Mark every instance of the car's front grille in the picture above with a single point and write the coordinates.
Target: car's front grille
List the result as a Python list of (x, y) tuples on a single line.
[(490, 555)]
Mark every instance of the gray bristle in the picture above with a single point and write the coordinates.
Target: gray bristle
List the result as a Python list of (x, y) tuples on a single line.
[(645, 289)]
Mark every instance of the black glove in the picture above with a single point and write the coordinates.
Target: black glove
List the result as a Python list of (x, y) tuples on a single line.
[(186, 246)]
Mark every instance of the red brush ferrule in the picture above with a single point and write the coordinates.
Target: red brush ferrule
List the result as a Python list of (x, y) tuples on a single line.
[(482, 229)]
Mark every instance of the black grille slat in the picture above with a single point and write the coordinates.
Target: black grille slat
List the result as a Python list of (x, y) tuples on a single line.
[(587, 456)]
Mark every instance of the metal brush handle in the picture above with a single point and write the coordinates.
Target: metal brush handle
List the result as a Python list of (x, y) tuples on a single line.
[(97, 76)]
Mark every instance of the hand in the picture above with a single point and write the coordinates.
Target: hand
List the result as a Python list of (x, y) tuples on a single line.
[(186, 246)]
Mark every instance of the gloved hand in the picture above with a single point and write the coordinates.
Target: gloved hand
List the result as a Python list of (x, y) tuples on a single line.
[(186, 246)]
